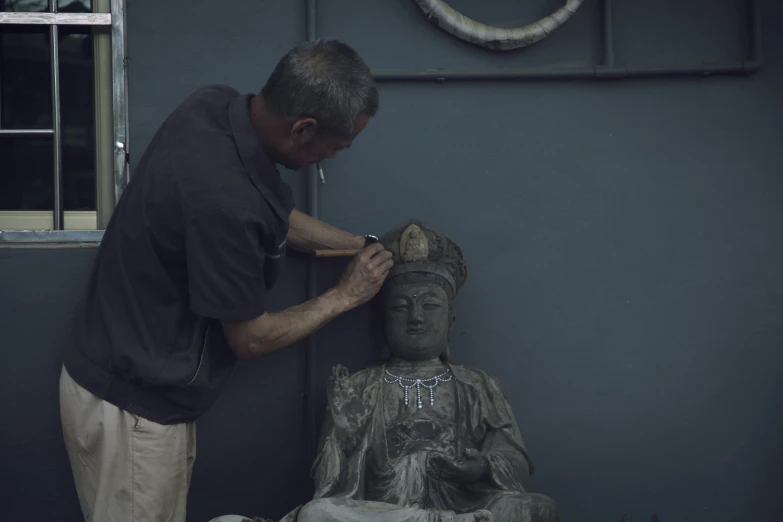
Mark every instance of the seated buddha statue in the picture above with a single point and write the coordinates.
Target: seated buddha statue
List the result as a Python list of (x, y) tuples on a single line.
[(419, 438)]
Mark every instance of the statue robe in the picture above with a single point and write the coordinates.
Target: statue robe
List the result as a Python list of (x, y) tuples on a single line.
[(354, 448)]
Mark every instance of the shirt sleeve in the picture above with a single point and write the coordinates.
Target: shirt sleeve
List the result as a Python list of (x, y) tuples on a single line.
[(225, 265)]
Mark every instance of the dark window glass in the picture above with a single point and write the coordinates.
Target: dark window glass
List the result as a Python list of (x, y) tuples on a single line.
[(26, 173), (27, 165), (74, 6), (77, 117), (24, 5), (25, 77)]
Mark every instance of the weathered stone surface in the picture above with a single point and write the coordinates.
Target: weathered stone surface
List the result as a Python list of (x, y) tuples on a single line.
[(420, 438)]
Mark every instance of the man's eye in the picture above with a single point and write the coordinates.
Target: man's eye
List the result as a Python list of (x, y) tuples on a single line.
[(431, 306), (400, 308)]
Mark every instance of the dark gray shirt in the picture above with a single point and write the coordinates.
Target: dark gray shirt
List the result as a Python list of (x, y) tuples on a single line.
[(198, 236)]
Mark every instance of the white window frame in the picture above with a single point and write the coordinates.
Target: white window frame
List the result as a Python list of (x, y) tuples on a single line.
[(111, 128)]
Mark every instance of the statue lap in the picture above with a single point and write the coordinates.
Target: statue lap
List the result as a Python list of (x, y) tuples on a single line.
[(517, 507)]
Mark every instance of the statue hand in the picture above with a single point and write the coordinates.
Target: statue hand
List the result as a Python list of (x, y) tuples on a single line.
[(343, 399), (341, 378), (471, 468), (349, 413)]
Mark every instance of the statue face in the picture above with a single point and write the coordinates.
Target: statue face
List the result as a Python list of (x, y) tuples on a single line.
[(417, 321)]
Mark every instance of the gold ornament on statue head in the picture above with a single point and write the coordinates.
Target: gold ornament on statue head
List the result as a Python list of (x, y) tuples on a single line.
[(414, 245)]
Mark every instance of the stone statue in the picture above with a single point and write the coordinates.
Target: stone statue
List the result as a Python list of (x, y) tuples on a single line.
[(419, 438)]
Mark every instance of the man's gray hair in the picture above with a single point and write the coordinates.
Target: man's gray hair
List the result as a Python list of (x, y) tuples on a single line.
[(326, 80)]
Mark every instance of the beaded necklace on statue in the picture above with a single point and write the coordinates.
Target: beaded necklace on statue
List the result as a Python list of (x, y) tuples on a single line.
[(406, 384)]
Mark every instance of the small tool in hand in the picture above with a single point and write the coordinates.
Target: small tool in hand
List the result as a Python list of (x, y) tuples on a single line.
[(349, 252), (346, 252)]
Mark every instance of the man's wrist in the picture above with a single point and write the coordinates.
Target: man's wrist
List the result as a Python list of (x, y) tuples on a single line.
[(340, 301)]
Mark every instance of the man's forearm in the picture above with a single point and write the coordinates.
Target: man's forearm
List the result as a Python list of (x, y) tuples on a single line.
[(308, 233), (275, 330)]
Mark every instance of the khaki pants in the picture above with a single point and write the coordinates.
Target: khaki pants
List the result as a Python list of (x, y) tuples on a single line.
[(126, 468)]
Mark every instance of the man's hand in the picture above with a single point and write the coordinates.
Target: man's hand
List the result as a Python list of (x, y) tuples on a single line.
[(365, 275), (472, 468)]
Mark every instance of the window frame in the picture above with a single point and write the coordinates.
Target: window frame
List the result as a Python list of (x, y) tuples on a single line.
[(107, 14)]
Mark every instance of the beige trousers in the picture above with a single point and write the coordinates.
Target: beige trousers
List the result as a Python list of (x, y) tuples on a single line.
[(126, 468)]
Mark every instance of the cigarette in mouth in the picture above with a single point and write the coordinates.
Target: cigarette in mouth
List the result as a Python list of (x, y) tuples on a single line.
[(320, 171)]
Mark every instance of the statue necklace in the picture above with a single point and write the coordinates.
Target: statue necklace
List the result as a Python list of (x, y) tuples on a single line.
[(406, 384)]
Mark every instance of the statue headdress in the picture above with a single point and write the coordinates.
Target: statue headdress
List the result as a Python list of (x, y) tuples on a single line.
[(419, 249)]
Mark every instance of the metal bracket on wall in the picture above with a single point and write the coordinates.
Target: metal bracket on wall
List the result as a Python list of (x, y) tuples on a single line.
[(607, 70), (310, 377)]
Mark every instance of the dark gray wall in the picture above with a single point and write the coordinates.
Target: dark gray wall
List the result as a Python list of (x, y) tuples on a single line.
[(623, 240), (39, 289)]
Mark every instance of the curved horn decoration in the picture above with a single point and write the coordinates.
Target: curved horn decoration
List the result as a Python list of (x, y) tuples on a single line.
[(495, 38)]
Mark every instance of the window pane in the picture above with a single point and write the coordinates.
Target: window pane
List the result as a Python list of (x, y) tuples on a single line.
[(74, 6), (26, 173), (24, 5), (25, 78), (77, 117)]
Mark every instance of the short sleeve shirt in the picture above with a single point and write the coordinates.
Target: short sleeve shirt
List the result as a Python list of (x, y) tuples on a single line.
[(198, 236)]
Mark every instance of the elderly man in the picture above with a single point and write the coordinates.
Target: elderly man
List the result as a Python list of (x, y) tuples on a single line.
[(178, 290)]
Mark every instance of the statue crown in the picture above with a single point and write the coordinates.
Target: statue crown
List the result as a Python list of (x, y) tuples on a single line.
[(417, 248)]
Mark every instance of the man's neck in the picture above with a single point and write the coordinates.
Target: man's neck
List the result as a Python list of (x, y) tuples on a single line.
[(266, 125)]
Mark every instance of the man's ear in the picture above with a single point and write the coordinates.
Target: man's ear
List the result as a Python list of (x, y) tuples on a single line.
[(303, 131)]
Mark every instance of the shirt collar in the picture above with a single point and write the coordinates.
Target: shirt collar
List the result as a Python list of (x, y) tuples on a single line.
[(261, 170)]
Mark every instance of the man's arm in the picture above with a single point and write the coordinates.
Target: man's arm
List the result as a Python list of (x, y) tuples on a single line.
[(274, 330), (308, 233)]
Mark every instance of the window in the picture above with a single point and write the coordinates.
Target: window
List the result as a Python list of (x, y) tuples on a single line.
[(63, 124)]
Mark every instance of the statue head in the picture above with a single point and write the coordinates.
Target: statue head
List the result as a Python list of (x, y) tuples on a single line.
[(419, 293)]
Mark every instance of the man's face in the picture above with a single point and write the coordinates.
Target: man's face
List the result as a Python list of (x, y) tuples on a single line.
[(417, 321), (305, 147)]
